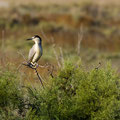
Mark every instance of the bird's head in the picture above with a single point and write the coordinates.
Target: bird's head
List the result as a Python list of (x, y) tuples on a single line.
[(36, 39)]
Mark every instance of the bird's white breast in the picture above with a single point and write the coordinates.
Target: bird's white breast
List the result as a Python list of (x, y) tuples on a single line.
[(38, 49), (38, 52)]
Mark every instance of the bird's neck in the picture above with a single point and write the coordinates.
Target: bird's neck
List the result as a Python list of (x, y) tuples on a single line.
[(38, 43)]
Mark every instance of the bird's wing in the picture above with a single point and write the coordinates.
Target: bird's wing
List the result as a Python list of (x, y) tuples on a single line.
[(31, 53)]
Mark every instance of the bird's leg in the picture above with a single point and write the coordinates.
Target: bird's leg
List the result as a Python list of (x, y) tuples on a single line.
[(37, 65)]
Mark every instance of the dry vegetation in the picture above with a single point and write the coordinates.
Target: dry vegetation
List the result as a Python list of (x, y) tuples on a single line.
[(100, 22), (59, 23), (44, 2)]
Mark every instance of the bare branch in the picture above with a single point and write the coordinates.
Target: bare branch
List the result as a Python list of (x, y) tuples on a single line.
[(52, 68), (44, 66), (19, 52), (80, 38), (61, 56), (39, 77), (20, 65), (29, 65), (57, 58), (55, 53), (3, 39), (99, 65), (3, 48), (43, 33)]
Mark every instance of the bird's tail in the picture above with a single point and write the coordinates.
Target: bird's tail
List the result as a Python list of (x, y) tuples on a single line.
[(28, 64)]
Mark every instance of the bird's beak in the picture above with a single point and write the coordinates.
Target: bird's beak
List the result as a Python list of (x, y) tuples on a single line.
[(29, 39)]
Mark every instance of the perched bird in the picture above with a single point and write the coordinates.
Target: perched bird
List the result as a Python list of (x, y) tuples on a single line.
[(36, 51)]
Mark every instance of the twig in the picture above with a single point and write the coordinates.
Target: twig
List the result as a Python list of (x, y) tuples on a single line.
[(57, 58), (28, 65), (3, 47), (44, 35), (99, 65), (39, 77), (52, 68), (61, 56), (22, 55), (51, 71), (3, 39), (44, 66), (80, 38), (20, 65)]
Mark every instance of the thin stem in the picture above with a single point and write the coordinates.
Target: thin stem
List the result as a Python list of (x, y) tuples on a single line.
[(39, 77), (80, 38)]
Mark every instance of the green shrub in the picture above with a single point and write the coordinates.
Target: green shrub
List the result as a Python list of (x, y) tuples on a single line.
[(75, 94), (11, 95)]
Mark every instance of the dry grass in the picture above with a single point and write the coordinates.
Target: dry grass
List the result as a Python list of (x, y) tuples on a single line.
[(61, 2), (101, 24)]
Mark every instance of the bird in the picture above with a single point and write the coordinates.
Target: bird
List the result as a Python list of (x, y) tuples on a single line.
[(35, 52)]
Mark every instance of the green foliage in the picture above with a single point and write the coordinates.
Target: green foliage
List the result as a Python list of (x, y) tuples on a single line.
[(11, 96), (76, 94), (73, 94)]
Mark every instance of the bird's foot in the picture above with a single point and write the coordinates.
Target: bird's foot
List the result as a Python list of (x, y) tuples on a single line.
[(37, 65), (34, 65)]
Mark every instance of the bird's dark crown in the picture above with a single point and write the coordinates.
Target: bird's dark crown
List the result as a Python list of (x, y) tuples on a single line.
[(37, 36)]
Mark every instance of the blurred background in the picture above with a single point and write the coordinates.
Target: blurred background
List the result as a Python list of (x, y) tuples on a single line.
[(74, 29)]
